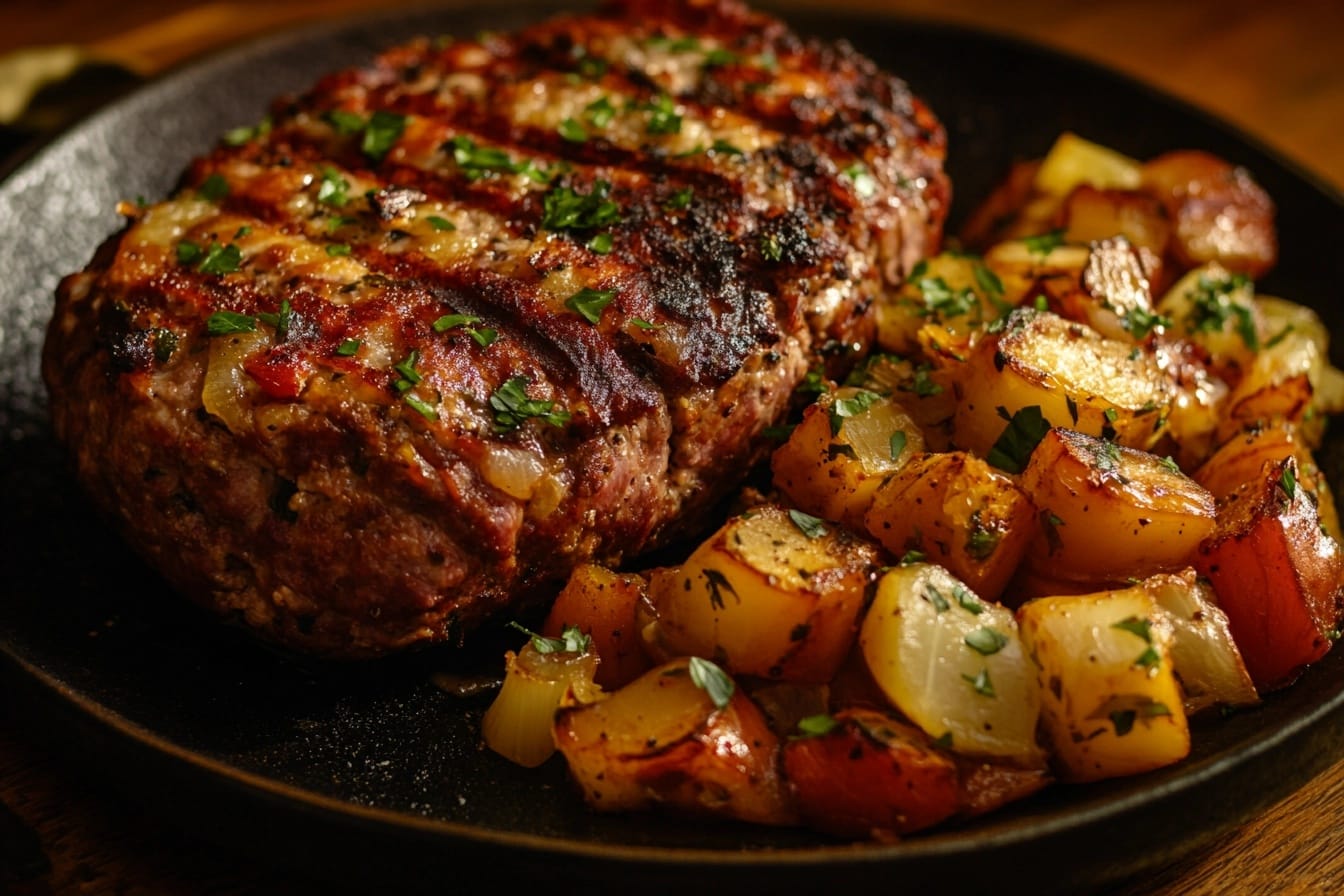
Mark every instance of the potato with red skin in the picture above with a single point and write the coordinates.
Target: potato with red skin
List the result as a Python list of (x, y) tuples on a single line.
[(601, 604), (1218, 212), (985, 785), (663, 742), (1278, 576), (871, 776)]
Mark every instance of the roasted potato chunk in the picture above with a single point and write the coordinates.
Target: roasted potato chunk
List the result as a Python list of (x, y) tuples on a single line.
[(773, 593), (537, 679), (1206, 658), (1110, 703), (1276, 573), (1218, 212), (1110, 513), (956, 511), (954, 291), (847, 443), (952, 663), (601, 603), (672, 739), (870, 775), (1215, 309), (1073, 162), (1069, 373)]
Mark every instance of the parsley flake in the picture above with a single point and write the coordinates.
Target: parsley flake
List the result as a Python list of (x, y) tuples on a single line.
[(981, 683), (986, 641), (816, 726), (1025, 429), (589, 303), (572, 131), (439, 222), (334, 189), (851, 407), (809, 525), (565, 209), (214, 188), (513, 407), (383, 130), (1045, 243), (348, 348), (709, 678), (226, 323)]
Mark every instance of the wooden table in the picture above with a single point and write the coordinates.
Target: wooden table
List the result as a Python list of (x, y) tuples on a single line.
[(1273, 69)]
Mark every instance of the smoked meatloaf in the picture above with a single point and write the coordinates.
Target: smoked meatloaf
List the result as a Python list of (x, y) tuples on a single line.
[(397, 359)]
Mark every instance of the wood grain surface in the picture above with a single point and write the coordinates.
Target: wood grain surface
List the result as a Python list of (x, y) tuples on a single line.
[(1274, 69)]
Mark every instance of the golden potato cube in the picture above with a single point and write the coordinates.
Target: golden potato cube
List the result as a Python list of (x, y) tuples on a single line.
[(773, 594), (955, 291), (1073, 161), (847, 443), (1216, 309), (1109, 513), (1110, 704), (957, 512), (952, 663), (1069, 373)]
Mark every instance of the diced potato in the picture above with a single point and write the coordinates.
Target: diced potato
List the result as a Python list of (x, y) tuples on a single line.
[(959, 513), (847, 443), (1073, 161), (518, 723), (1025, 267), (870, 775), (1110, 513), (1090, 214), (1195, 415), (1069, 373), (1241, 458), (764, 597), (1110, 702), (1216, 309), (1110, 293), (1219, 213), (663, 741), (601, 603), (951, 663), (1276, 573), (955, 291), (1207, 661)]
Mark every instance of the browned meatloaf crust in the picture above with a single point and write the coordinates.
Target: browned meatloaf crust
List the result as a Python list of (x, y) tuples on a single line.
[(445, 326)]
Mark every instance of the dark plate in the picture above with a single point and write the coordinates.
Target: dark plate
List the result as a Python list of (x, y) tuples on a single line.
[(372, 773)]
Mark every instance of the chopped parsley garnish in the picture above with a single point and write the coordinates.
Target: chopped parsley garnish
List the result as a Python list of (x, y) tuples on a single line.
[(513, 407), (723, 147), (712, 680), (383, 130), (1019, 439), (1170, 464), (589, 303), (910, 557), (601, 244), (771, 250), (439, 222), (645, 325), (719, 57), (239, 136), (164, 343), (409, 375), (214, 188), (421, 407), (349, 348), (571, 640), (226, 323), (478, 161), (338, 249), (242, 231), (334, 189), (449, 321), (663, 117), (280, 320), (897, 444), (809, 525), (599, 112), (923, 384), (1288, 482), (981, 683), (347, 124), (590, 67), (680, 199), (935, 597), (986, 641), (572, 131), (565, 209), (989, 283), (1141, 321), (1045, 243), (1123, 720), (188, 252), (980, 544), (1212, 308), (850, 407), (967, 601), (942, 300), (816, 726), (220, 260)]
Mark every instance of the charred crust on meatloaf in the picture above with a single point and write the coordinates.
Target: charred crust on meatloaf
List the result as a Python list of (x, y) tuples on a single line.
[(460, 319)]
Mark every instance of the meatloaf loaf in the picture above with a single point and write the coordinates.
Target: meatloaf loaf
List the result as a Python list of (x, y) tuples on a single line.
[(395, 360)]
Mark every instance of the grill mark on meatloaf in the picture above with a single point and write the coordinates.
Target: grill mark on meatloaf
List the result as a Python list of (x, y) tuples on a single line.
[(746, 243)]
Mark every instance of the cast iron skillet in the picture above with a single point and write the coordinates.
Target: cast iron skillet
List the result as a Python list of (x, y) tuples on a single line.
[(371, 773)]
